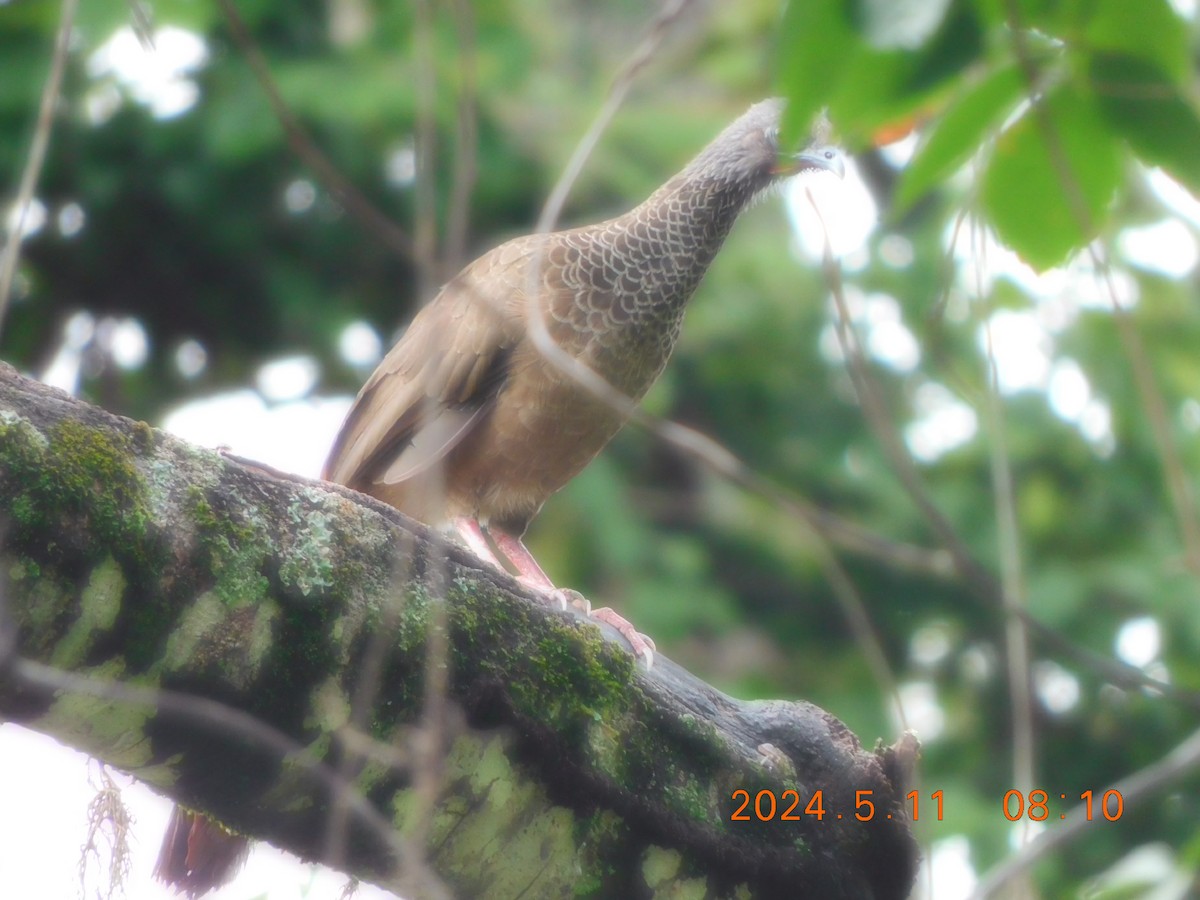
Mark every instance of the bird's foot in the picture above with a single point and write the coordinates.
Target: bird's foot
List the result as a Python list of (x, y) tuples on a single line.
[(571, 599), (643, 645), (566, 598), (559, 598)]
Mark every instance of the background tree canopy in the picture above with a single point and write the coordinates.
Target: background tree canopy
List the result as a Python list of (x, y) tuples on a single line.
[(1013, 421)]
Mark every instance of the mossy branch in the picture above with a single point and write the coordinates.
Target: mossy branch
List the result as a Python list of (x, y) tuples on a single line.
[(552, 764)]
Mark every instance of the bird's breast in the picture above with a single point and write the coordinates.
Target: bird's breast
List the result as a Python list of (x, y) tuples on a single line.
[(543, 430)]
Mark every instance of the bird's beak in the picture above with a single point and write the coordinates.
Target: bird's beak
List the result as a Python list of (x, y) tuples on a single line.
[(826, 159)]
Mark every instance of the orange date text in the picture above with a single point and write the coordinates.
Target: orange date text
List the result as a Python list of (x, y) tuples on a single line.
[(791, 806)]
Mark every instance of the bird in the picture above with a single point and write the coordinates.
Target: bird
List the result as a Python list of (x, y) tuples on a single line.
[(469, 425)]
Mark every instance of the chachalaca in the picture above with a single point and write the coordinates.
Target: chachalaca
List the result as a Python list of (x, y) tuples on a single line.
[(467, 424)]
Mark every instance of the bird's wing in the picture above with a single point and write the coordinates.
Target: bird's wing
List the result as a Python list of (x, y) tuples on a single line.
[(438, 381)]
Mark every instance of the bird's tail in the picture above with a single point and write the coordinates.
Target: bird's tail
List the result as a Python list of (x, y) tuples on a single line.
[(198, 855)]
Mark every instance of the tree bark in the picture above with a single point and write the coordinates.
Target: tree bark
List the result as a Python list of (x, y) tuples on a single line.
[(314, 669)]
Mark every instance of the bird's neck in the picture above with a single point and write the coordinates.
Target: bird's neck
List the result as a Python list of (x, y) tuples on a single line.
[(653, 258), (676, 233)]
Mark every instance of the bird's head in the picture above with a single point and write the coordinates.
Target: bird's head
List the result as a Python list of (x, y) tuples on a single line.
[(820, 154), (747, 152)]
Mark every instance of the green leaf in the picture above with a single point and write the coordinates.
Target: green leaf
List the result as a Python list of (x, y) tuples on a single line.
[(1039, 14), (956, 45), (816, 40), (1144, 107), (959, 133), (863, 85), (899, 23), (1048, 193), (1148, 29), (875, 90)]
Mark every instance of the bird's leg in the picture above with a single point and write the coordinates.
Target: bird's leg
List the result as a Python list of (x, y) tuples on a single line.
[(532, 574), (528, 571), (472, 533)]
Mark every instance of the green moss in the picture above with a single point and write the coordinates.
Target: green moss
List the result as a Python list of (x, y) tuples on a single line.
[(237, 642), (299, 649), (563, 677), (23, 452), (261, 634), (660, 865), (200, 617), (92, 471), (498, 826), (236, 549), (99, 605), (568, 678), (24, 568), (143, 436), (329, 707), (599, 836), (112, 729), (306, 564), (81, 483), (39, 603), (571, 680)]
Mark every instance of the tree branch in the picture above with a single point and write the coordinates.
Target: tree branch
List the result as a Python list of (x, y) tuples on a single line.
[(143, 564)]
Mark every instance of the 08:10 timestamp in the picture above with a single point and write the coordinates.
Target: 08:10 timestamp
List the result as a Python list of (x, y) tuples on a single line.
[(1036, 805)]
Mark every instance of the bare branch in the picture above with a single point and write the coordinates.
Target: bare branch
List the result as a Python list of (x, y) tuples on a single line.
[(1181, 763), (1174, 473), (425, 228), (34, 160), (139, 557), (343, 190), (466, 145)]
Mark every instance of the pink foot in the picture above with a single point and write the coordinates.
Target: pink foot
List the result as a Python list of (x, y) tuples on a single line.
[(472, 535), (643, 646), (551, 595), (531, 574)]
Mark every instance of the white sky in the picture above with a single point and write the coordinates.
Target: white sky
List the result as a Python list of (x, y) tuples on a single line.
[(45, 792)]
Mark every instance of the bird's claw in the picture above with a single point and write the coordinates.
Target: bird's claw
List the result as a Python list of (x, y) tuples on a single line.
[(566, 598), (572, 599), (643, 645)]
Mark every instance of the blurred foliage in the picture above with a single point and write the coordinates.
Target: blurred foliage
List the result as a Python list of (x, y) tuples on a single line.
[(191, 225)]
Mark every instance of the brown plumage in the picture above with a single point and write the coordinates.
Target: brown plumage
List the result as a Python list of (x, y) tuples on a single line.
[(467, 423)]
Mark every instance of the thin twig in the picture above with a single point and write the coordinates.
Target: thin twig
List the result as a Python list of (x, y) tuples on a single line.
[(670, 14), (37, 153), (425, 229), (211, 715), (369, 675), (466, 145), (980, 582), (1016, 637), (1179, 764), (141, 17), (343, 190), (1174, 473), (429, 749)]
